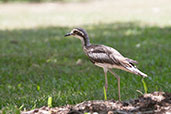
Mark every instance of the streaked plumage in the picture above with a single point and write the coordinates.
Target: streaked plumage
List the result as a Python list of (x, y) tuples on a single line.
[(105, 57), (111, 58)]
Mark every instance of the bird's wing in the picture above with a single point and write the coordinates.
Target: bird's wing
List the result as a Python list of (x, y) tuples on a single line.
[(131, 61), (123, 60), (127, 64), (105, 54)]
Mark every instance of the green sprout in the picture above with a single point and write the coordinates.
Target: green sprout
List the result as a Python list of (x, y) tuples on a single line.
[(145, 86), (105, 96), (50, 102)]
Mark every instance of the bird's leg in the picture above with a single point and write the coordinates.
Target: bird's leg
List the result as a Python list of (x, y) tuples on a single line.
[(106, 82), (118, 78)]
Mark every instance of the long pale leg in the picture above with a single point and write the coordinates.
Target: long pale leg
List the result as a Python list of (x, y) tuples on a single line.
[(118, 78), (106, 82)]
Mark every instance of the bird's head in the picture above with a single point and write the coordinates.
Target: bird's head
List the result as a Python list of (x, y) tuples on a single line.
[(78, 33)]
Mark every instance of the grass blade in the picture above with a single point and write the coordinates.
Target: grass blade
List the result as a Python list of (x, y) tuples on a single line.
[(50, 102), (145, 86), (105, 96)]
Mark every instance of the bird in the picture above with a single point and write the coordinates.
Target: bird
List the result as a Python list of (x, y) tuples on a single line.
[(105, 57)]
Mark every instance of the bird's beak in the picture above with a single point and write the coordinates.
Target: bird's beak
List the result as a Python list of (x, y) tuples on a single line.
[(68, 34)]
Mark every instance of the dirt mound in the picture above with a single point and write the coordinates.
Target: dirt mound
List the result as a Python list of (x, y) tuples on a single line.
[(157, 102)]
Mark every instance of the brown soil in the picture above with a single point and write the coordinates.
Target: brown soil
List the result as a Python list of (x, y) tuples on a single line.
[(157, 102)]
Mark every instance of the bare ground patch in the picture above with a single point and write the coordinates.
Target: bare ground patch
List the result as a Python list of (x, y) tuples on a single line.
[(157, 102)]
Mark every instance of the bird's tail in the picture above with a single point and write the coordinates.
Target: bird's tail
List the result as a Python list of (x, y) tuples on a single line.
[(134, 70)]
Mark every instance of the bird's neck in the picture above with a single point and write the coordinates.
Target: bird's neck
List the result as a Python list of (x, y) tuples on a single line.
[(85, 41)]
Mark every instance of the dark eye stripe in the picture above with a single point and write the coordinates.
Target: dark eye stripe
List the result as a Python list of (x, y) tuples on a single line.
[(78, 33), (75, 32)]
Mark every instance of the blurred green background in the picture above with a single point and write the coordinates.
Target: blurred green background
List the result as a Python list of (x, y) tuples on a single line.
[(37, 62)]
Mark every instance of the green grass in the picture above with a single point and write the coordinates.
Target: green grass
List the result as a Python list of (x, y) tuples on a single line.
[(38, 62)]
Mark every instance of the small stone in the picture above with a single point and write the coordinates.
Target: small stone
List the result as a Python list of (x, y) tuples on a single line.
[(79, 62), (138, 45)]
